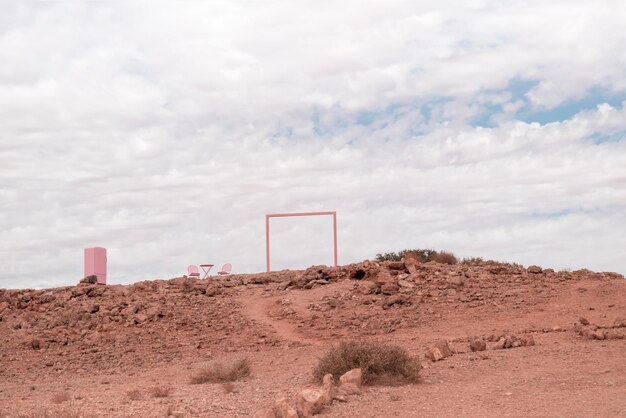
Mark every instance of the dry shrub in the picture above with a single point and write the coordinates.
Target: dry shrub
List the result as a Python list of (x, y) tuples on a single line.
[(61, 397), (219, 372), (445, 257), (421, 255), (472, 260), (381, 364), (160, 391), (134, 395)]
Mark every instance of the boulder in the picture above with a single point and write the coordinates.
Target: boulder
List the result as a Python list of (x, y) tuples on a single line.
[(383, 277), (329, 388), (438, 351), (310, 401), (395, 265), (478, 345), (498, 345), (534, 269), (411, 265), (527, 340), (389, 288), (366, 287), (283, 409), (351, 381)]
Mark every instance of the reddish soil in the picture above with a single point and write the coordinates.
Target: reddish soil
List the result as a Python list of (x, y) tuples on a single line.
[(93, 350)]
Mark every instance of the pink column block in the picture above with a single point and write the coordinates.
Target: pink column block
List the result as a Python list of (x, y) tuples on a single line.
[(96, 263)]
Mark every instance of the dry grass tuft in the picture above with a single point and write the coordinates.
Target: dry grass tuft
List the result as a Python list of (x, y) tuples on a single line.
[(134, 395), (160, 391), (219, 372), (381, 364), (61, 397)]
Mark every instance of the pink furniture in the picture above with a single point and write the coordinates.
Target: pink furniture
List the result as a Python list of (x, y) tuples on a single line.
[(192, 271), (225, 269), (206, 268), (96, 263)]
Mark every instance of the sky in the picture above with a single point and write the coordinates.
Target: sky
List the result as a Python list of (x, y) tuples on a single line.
[(165, 131)]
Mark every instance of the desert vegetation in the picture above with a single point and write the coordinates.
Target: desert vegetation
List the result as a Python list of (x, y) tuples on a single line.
[(421, 255), (220, 372), (381, 364)]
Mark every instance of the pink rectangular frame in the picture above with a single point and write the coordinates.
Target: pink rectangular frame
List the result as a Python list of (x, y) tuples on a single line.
[(285, 215)]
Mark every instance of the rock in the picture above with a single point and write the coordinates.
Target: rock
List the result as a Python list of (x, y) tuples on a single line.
[(367, 287), (351, 381), (498, 345), (4, 306), (282, 409), (534, 269), (478, 345), (395, 265), (389, 288), (310, 401), (94, 308), (438, 351), (434, 354), (35, 344), (411, 265), (527, 340), (614, 335), (443, 346), (406, 284), (583, 321), (93, 279), (213, 290), (329, 388), (455, 281), (140, 318), (396, 299), (383, 277)]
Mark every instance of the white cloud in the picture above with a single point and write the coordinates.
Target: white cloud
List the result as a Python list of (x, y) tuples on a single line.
[(165, 134)]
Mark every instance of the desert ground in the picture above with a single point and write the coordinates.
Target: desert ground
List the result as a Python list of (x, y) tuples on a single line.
[(554, 342)]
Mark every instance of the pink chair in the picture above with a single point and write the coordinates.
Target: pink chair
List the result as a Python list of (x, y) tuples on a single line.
[(225, 269), (192, 271)]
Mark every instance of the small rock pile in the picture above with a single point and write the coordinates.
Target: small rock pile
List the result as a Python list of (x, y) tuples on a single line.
[(312, 400), (591, 331)]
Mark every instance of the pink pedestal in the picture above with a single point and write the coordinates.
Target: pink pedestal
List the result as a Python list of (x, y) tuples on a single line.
[(96, 263)]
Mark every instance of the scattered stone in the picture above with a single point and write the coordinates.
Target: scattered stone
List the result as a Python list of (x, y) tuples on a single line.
[(478, 345), (389, 288), (583, 321), (310, 401), (366, 287), (411, 265), (282, 409), (350, 382), (438, 351)]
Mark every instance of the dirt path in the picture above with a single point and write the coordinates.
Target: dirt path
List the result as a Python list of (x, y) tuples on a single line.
[(258, 308)]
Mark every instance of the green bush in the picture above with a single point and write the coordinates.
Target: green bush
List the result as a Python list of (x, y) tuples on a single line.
[(380, 363)]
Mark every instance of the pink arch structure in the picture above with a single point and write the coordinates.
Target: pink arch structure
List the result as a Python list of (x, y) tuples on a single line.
[(285, 215)]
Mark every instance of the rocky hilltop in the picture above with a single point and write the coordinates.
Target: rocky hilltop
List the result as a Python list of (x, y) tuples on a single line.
[(69, 332)]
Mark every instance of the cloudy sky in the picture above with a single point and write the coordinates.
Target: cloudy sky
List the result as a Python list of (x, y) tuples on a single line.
[(166, 130)]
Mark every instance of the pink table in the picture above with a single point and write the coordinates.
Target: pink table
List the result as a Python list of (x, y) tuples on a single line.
[(206, 268)]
